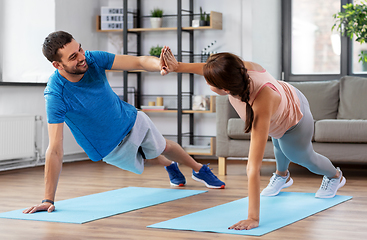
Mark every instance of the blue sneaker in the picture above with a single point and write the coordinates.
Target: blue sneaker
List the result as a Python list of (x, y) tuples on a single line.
[(206, 176), (176, 178)]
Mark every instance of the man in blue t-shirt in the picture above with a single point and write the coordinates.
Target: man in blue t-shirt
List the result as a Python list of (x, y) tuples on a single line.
[(107, 128)]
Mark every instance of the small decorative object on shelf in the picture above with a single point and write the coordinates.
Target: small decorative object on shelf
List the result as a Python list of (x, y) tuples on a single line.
[(159, 101), (156, 18), (155, 51), (202, 17), (201, 102), (207, 51), (112, 18), (195, 23), (207, 20)]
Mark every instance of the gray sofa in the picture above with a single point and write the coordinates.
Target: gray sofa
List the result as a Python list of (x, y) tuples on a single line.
[(339, 108)]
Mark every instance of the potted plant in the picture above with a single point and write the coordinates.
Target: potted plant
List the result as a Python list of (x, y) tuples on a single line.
[(156, 18), (155, 51), (207, 19), (353, 21), (202, 17)]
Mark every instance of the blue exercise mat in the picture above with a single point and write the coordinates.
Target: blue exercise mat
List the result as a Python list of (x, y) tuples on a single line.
[(275, 212), (96, 206)]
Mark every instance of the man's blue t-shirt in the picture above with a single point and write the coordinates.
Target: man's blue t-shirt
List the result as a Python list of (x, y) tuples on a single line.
[(96, 116)]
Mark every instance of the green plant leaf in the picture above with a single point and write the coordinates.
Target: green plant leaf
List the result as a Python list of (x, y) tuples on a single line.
[(155, 51), (156, 12), (352, 22)]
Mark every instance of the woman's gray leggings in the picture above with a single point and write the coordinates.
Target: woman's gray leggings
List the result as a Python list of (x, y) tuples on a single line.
[(295, 145)]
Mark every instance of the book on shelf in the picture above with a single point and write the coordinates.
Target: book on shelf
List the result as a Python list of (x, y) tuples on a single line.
[(197, 148), (145, 108)]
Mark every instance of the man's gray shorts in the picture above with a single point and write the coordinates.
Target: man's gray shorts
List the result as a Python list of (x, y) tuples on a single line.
[(143, 135)]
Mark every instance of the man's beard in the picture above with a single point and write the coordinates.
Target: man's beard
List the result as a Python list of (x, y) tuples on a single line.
[(76, 71)]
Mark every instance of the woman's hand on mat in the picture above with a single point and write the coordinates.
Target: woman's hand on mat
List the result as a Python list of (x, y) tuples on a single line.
[(46, 206), (245, 224), (169, 60)]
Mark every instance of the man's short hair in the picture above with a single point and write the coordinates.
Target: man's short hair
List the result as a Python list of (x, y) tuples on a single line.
[(53, 42)]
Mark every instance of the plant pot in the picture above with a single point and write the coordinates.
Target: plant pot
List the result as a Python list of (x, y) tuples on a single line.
[(202, 23), (156, 22)]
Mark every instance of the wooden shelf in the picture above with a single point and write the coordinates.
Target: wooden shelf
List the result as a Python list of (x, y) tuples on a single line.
[(215, 24), (151, 29), (116, 70), (199, 150), (158, 111), (211, 110), (175, 111)]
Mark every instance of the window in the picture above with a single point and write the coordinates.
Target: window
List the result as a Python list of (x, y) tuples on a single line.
[(311, 50), (24, 26)]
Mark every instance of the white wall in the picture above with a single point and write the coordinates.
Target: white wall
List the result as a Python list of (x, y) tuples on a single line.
[(78, 17), (266, 35), (251, 29), (1, 37)]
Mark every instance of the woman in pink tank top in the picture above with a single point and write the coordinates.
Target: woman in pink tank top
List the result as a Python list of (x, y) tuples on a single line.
[(268, 107)]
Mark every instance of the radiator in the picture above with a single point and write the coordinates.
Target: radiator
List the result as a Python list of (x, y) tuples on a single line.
[(17, 137)]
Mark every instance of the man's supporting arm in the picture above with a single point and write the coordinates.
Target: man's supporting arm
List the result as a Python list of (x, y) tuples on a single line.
[(53, 166)]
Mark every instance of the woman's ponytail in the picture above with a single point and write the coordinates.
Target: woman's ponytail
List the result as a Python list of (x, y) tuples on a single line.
[(245, 97)]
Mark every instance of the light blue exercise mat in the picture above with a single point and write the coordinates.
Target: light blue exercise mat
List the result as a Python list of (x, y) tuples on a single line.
[(96, 206), (275, 212)]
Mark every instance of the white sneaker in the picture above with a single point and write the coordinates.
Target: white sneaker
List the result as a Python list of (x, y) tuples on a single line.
[(276, 184), (329, 187)]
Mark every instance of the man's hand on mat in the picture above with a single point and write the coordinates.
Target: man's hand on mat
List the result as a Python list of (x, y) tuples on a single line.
[(46, 206), (245, 224)]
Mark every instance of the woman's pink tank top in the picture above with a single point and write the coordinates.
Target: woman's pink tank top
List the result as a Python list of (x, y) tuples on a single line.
[(288, 113)]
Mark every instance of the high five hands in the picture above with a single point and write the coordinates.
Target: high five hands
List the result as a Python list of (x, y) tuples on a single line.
[(168, 61)]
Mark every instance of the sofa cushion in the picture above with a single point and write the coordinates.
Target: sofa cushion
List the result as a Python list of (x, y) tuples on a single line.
[(353, 98), (236, 129), (341, 131), (323, 97)]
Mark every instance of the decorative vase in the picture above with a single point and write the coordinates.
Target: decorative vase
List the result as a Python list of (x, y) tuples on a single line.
[(195, 23), (202, 23), (156, 22)]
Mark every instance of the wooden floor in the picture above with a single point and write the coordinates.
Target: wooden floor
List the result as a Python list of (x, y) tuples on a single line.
[(22, 188)]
